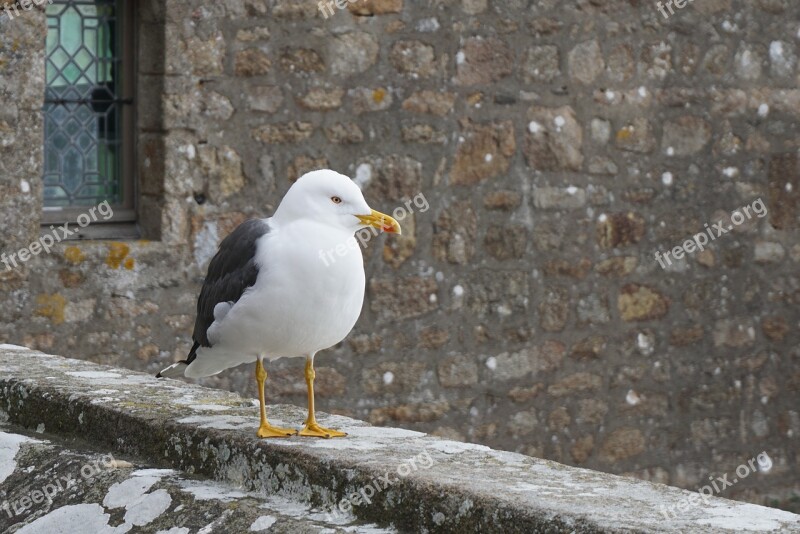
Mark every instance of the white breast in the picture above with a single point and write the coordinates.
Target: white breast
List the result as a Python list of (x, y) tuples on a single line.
[(308, 295)]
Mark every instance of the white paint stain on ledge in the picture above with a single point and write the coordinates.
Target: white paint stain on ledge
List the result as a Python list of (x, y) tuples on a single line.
[(9, 447), (95, 375), (208, 491), (74, 518), (263, 523), (456, 447), (225, 422), (141, 507), (745, 517), (362, 438), (200, 406)]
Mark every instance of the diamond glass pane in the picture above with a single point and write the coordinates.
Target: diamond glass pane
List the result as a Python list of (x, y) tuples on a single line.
[(82, 106)]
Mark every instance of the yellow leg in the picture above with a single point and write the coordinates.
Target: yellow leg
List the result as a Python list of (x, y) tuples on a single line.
[(266, 430), (312, 428)]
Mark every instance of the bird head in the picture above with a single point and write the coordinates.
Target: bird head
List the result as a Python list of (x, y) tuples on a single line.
[(332, 198)]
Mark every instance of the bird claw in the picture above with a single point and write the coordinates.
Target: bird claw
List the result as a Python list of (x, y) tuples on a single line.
[(315, 431), (269, 431)]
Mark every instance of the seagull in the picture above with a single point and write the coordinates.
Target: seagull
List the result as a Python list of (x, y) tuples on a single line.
[(284, 287)]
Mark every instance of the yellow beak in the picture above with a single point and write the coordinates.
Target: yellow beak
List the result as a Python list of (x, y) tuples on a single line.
[(380, 220)]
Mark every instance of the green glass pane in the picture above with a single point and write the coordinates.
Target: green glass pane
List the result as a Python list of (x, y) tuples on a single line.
[(55, 192), (52, 40), (104, 54), (51, 162), (58, 57), (91, 160), (59, 141), (70, 73), (54, 11), (72, 127), (51, 73), (70, 24), (90, 36), (85, 141), (83, 59), (72, 169)]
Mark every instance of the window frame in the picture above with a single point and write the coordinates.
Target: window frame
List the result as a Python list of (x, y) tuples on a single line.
[(123, 222)]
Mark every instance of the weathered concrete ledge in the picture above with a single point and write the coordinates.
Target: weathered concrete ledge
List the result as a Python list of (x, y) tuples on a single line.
[(49, 486), (388, 476)]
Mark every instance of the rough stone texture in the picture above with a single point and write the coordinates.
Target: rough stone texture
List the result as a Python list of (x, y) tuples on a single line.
[(375, 7), (482, 61), (353, 52), (59, 486), (586, 62), (178, 456), (252, 62), (413, 58), (665, 124), (554, 140), (484, 152), (430, 102), (541, 64)]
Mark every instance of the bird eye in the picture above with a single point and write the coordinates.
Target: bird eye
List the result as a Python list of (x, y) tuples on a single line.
[(336, 200)]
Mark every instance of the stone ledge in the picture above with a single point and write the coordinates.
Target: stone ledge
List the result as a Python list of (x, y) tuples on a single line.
[(435, 485), (48, 486)]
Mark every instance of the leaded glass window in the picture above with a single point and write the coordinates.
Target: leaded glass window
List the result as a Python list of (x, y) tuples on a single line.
[(85, 109)]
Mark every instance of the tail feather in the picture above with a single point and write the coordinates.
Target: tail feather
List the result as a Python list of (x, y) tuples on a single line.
[(178, 369), (174, 371)]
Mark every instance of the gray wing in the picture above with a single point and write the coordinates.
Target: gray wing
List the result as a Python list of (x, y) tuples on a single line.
[(232, 270)]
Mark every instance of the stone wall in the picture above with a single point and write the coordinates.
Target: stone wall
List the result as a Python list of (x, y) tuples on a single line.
[(552, 148)]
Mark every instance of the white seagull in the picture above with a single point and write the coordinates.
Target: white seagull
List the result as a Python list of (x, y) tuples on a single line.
[(287, 286)]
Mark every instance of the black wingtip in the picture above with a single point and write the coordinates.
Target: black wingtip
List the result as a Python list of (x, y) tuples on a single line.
[(159, 375)]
